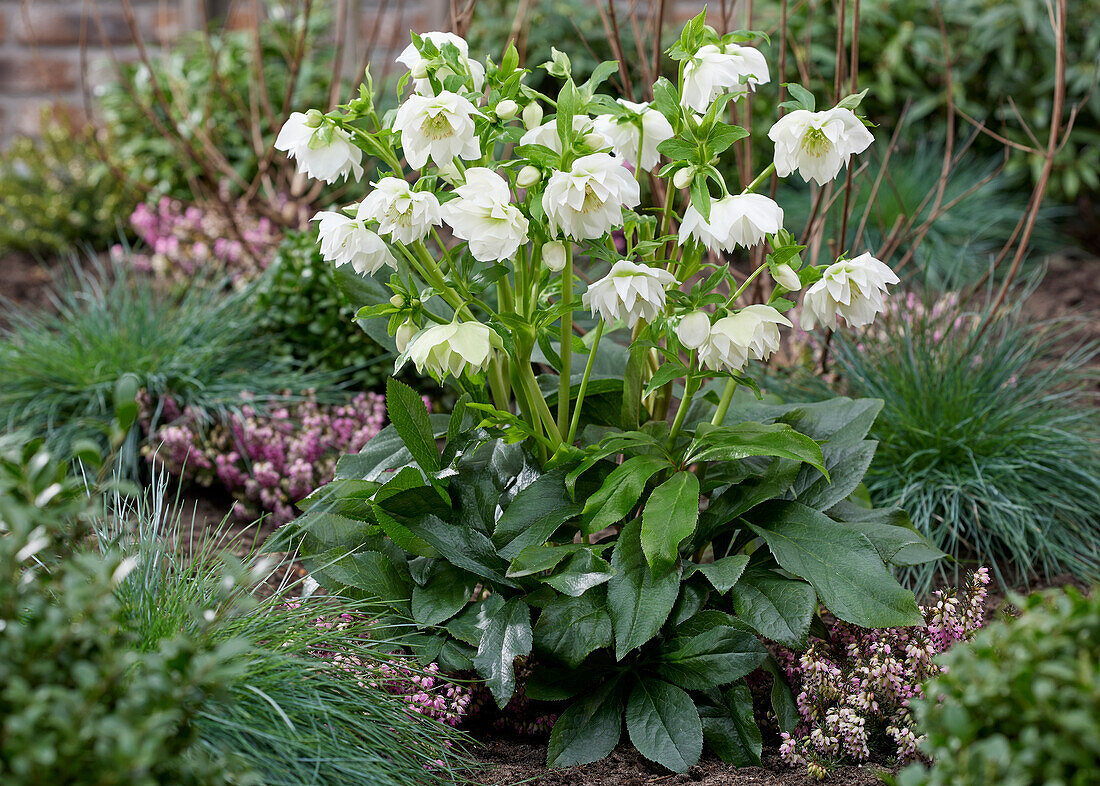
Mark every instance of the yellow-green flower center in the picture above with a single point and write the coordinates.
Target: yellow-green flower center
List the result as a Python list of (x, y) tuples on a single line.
[(815, 143), (436, 127)]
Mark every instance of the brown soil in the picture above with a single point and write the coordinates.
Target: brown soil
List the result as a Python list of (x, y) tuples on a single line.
[(23, 280), (513, 762)]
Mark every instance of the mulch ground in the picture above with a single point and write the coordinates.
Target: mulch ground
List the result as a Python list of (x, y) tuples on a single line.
[(517, 762)]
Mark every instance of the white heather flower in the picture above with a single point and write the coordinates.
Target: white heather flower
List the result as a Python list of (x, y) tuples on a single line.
[(454, 348), (439, 127), (786, 277), (547, 134), (625, 134), (716, 70), (323, 151), (553, 255), (694, 329), (852, 289), (345, 240), (628, 292), (817, 144), (587, 201), (735, 220), (411, 58), (483, 216), (403, 214)]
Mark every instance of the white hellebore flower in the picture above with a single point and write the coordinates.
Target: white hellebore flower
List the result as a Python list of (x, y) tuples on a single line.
[(403, 214), (410, 58), (628, 292), (716, 70), (587, 201), (817, 144), (439, 127), (454, 348), (751, 332), (325, 155), (405, 332), (345, 240), (852, 289), (735, 220), (625, 135), (694, 329), (483, 216), (583, 126)]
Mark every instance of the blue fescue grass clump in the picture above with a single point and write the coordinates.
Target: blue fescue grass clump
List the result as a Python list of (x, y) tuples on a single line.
[(59, 367), (291, 716), (988, 439)]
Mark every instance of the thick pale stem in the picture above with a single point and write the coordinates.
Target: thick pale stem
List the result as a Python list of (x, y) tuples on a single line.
[(689, 393), (760, 179), (724, 402), (745, 284), (584, 383), (566, 340), (527, 377)]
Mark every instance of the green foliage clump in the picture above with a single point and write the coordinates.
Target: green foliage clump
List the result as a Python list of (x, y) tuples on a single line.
[(301, 305), (56, 192), (206, 88), (1020, 703), (80, 703), (59, 369), (988, 440)]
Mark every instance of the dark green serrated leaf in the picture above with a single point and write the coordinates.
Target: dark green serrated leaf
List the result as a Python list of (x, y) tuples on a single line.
[(722, 573), (620, 492), (580, 573), (506, 637), (589, 729), (536, 559), (844, 568), (730, 443), (729, 728), (467, 548), (664, 724), (534, 514), (571, 629), (409, 417), (446, 592), (668, 519), (710, 659), (777, 607), (638, 603)]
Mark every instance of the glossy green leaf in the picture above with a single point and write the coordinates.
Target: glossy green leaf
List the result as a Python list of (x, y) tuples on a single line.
[(506, 637), (730, 443), (709, 659), (589, 729), (664, 724), (729, 728), (409, 416), (446, 592), (582, 571), (638, 603), (571, 629), (620, 492), (722, 573), (668, 519), (777, 607), (844, 568), (467, 548), (536, 559), (534, 514)]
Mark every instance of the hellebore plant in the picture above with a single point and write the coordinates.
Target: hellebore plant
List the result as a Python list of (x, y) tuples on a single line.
[(601, 498)]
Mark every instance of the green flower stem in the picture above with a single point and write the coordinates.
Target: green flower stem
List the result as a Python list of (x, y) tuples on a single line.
[(527, 378), (755, 184), (497, 384), (744, 285), (724, 402), (584, 383), (446, 252), (690, 389), (566, 340)]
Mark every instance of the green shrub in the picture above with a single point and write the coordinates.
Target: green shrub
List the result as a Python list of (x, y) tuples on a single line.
[(56, 192), (1020, 703), (59, 369), (988, 441), (300, 304), (79, 702), (209, 81)]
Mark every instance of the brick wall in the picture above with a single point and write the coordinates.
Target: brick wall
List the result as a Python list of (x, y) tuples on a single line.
[(50, 50)]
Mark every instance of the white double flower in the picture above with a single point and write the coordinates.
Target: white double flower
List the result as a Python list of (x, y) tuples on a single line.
[(587, 201), (484, 217), (405, 215), (456, 348), (852, 289), (625, 135), (345, 241), (628, 292), (735, 220), (716, 70), (751, 332), (322, 151), (438, 127), (817, 144)]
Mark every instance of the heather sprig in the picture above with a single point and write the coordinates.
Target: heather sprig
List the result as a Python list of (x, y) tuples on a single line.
[(269, 458), (855, 688)]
